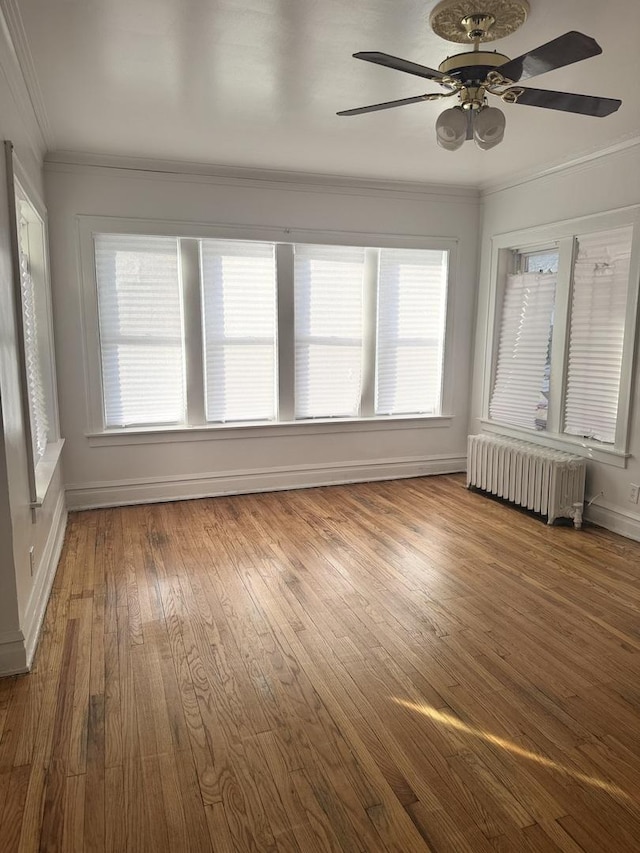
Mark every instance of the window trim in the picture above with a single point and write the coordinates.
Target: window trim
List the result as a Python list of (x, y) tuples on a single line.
[(89, 225), (563, 234), (40, 472), (255, 429)]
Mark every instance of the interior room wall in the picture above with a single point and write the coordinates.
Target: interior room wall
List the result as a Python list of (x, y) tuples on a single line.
[(23, 592), (130, 471), (604, 183)]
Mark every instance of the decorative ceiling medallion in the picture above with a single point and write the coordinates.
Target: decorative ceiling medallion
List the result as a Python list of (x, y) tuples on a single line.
[(468, 21)]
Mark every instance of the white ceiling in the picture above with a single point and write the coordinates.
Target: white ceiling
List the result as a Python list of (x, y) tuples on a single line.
[(257, 83)]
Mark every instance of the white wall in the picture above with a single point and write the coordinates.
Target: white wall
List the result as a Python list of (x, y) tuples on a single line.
[(263, 458), (22, 594), (606, 183)]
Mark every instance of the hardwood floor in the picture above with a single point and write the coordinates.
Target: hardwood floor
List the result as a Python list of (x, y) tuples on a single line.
[(400, 666)]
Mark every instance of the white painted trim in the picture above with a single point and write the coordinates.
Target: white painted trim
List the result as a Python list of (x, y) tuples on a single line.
[(549, 233), (29, 190), (562, 441), (567, 249), (10, 66), (192, 300), (89, 226), (617, 520), (500, 266), (15, 25), (45, 469), (272, 429), (286, 344), (13, 659), (154, 489), (7, 637), (584, 161), (43, 579), (157, 169), (189, 172)]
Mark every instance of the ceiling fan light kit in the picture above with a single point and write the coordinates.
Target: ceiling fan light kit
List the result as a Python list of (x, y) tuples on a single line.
[(451, 128), (472, 75), (488, 127)]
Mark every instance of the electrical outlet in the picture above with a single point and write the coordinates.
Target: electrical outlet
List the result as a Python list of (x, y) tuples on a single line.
[(32, 552), (634, 493)]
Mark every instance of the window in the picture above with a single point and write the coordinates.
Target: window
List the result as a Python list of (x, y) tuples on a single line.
[(410, 339), (196, 331), (596, 335), (521, 387), (328, 330), (239, 319), (565, 335), (141, 337), (35, 353), (34, 332), (540, 262)]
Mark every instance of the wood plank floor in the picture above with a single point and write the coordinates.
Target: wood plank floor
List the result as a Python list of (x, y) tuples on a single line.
[(401, 666)]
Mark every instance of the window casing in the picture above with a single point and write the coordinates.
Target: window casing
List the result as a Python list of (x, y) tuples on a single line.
[(588, 332), (269, 334)]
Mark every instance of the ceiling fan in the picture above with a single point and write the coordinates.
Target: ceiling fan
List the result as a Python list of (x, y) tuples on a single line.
[(472, 75)]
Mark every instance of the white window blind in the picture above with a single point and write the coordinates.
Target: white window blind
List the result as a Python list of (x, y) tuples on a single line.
[(410, 336), (141, 337), (521, 386), (239, 298), (597, 326), (35, 383), (328, 330)]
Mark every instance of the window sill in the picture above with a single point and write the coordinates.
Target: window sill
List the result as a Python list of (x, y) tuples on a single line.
[(324, 426), (570, 444), (45, 469)]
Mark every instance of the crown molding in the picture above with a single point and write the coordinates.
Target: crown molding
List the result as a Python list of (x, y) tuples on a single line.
[(191, 172), (24, 58), (561, 167), (12, 71)]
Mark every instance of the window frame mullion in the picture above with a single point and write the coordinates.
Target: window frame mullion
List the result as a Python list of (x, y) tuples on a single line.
[(630, 344), (369, 332), (191, 292), (286, 344), (561, 333)]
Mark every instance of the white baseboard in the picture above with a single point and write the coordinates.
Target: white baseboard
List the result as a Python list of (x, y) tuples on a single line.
[(43, 581), (614, 519), (155, 489), (13, 658)]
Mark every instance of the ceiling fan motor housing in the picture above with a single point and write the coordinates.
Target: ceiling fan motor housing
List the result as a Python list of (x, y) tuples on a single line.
[(472, 68)]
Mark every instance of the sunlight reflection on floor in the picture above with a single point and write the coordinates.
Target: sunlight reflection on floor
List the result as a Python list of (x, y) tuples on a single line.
[(453, 722)]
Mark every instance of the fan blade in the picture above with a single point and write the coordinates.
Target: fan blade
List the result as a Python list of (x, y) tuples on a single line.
[(399, 64), (387, 105), (565, 50), (569, 102)]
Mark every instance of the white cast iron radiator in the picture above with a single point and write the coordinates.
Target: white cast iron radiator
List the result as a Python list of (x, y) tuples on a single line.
[(546, 481)]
